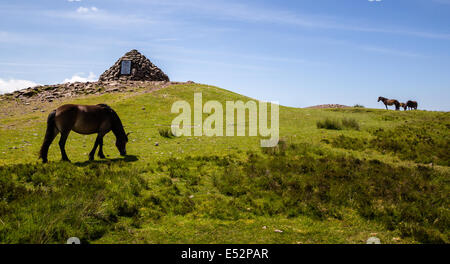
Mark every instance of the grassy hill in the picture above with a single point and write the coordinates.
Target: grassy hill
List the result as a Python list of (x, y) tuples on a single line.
[(337, 176)]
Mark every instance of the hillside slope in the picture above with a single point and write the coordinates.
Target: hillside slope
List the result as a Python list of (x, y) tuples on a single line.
[(376, 173)]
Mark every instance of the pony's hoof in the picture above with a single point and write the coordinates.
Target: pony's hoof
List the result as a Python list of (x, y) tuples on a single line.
[(91, 158), (102, 156)]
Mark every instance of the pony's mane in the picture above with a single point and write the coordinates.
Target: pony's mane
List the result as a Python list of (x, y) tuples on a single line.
[(118, 129)]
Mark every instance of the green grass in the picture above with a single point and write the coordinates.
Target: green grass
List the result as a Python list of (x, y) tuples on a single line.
[(373, 177)]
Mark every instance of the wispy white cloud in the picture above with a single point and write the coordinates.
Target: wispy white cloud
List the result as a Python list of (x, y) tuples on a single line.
[(166, 39), (254, 14), (86, 10), (73, 0), (99, 17), (48, 64), (445, 2), (11, 37), (79, 78), (11, 85), (388, 51), (243, 12)]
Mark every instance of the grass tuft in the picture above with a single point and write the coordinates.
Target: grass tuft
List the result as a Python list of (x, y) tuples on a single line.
[(328, 123), (166, 132), (350, 123)]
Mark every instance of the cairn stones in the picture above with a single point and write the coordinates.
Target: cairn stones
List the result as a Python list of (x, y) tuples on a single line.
[(135, 67)]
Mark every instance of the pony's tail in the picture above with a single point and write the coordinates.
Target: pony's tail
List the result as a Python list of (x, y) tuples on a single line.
[(50, 134)]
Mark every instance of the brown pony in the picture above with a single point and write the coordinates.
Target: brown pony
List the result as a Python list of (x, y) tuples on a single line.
[(404, 106), (389, 102), (83, 119), (411, 104)]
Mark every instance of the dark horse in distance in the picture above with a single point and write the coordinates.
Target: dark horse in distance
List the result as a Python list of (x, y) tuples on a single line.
[(389, 102), (86, 120), (411, 104)]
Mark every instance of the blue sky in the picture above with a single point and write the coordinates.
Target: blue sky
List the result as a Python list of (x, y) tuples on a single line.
[(299, 53)]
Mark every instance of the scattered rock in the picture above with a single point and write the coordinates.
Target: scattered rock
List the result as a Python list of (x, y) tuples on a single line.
[(51, 93), (156, 144), (325, 106), (373, 240), (278, 231)]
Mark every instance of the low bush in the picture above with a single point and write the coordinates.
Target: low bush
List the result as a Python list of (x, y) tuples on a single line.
[(48, 204), (413, 201), (335, 124), (349, 143), (424, 143), (332, 124), (350, 123)]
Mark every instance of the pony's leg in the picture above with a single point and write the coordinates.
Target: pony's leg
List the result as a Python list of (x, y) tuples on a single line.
[(386, 106), (62, 145), (49, 137), (100, 151), (92, 153)]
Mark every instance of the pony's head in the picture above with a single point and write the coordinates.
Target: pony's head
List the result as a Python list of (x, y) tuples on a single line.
[(380, 98), (121, 143), (403, 105)]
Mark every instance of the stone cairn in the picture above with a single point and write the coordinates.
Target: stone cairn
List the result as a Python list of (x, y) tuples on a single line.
[(144, 76), (142, 69)]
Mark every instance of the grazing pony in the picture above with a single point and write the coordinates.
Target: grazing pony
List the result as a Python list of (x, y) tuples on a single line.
[(404, 106), (86, 120), (389, 102), (411, 104)]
